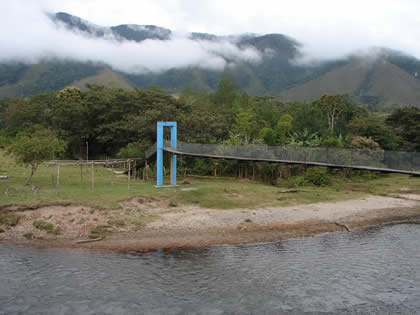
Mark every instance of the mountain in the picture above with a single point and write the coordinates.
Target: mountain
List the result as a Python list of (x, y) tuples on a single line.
[(18, 79), (106, 77), (378, 80), (384, 77)]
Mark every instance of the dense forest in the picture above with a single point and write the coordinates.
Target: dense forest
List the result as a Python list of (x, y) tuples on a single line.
[(119, 123)]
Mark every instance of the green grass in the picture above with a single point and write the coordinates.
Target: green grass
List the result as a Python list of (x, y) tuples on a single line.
[(47, 227), (218, 193)]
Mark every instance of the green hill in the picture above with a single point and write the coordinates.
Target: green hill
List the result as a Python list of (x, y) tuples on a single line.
[(371, 81), (107, 78)]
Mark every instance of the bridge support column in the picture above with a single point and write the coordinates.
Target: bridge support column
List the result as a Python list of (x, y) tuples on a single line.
[(159, 152)]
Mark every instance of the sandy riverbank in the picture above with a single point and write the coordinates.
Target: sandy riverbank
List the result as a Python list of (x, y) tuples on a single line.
[(143, 224)]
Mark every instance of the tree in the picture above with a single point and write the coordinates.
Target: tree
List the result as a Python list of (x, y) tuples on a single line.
[(244, 124), (333, 106), (268, 135), (35, 148), (309, 116), (376, 129), (406, 124), (226, 93), (284, 126)]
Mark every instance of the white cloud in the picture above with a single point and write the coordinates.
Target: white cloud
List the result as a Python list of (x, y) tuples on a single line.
[(28, 35), (327, 29)]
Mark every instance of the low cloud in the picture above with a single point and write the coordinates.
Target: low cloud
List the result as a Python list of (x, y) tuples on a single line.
[(28, 35)]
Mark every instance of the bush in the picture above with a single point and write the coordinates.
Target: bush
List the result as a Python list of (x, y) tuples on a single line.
[(98, 231), (317, 176), (47, 227), (296, 181), (133, 150), (9, 219), (365, 143), (28, 236)]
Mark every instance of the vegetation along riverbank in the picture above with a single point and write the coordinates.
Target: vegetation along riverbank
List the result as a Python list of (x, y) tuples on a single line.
[(202, 211)]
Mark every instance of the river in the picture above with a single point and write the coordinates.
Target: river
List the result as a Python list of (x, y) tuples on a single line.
[(375, 270)]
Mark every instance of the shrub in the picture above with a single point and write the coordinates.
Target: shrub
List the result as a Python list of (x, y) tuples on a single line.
[(133, 150), (317, 176), (98, 231), (296, 181), (28, 236), (365, 143), (9, 219), (47, 227)]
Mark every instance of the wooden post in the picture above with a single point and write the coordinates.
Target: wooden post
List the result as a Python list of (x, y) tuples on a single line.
[(81, 172), (58, 179), (129, 174), (58, 175), (112, 174), (92, 176)]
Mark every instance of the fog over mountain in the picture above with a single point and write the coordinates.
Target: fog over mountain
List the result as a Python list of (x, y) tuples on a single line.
[(43, 51), (30, 35)]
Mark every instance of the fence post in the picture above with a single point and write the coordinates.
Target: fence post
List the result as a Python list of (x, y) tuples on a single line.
[(412, 161), (93, 176), (129, 174), (58, 179)]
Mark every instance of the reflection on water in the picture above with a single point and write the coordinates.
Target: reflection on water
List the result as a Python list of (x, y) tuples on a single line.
[(367, 271)]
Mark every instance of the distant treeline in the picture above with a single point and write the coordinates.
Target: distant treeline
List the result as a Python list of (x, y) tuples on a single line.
[(115, 122)]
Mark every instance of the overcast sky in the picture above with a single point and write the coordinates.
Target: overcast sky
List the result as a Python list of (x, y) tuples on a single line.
[(327, 28)]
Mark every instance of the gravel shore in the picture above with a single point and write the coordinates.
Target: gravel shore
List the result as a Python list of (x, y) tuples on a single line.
[(192, 226)]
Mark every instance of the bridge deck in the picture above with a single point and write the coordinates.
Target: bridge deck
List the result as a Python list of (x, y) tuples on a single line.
[(368, 168)]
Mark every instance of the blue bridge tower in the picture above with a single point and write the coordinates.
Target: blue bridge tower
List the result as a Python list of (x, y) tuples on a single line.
[(159, 152)]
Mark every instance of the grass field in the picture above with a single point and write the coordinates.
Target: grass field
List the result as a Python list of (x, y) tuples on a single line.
[(219, 193)]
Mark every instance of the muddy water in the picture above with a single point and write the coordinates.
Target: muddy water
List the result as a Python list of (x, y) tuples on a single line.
[(375, 270)]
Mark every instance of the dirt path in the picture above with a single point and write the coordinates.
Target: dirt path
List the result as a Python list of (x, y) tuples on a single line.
[(144, 224)]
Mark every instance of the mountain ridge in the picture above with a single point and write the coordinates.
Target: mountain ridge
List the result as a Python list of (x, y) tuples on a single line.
[(277, 73)]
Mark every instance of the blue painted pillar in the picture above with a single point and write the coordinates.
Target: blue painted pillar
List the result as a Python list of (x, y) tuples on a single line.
[(173, 146), (159, 152)]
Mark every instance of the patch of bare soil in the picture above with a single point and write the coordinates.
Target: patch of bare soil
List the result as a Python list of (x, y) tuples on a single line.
[(142, 223)]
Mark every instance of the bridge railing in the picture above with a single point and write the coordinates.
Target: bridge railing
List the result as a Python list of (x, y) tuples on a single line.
[(150, 151), (407, 161)]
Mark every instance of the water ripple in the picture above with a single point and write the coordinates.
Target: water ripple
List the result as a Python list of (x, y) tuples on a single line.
[(367, 271)]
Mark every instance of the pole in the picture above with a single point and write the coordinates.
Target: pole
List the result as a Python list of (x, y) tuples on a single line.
[(58, 176), (93, 176), (173, 146), (129, 174), (159, 154)]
